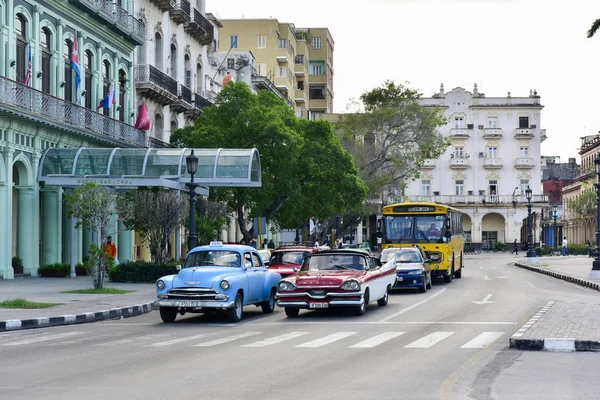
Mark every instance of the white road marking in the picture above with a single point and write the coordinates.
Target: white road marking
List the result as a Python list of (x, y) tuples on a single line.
[(227, 339), (276, 339), (132, 340), (484, 301), (377, 340), (43, 338), (482, 340), (407, 309), (313, 322), (327, 339), (429, 340), (175, 341)]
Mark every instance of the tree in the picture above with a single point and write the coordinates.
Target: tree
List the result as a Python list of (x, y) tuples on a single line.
[(390, 134), (211, 219), (93, 206), (291, 166), (585, 204), (154, 213), (593, 29)]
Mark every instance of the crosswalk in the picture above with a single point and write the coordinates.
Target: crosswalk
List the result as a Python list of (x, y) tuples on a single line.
[(255, 339)]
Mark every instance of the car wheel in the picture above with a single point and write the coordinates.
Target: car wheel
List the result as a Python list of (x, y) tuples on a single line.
[(234, 314), (429, 282), (292, 312), (269, 306), (360, 310), (382, 302), (423, 287), (168, 314)]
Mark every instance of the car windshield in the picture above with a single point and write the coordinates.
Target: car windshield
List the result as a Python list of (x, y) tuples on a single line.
[(414, 229), (334, 262), (408, 257), (210, 258), (288, 257)]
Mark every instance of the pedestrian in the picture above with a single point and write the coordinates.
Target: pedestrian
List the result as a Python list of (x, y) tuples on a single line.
[(243, 241), (265, 244), (317, 244), (109, 249), (516, 248), (271, 245), (253, 243), (565, 243)]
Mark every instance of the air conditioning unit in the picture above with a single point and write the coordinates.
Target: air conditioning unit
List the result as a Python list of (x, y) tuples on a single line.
[(469, 126), (482, 192), (436, 193), (480, 127), (532, 126), (470, 192), (481, 154)]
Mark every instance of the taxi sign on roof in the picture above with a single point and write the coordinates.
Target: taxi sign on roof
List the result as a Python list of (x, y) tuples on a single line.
[(215, 244)]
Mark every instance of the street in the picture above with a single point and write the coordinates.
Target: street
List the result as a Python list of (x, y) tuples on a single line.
[(451, 342)]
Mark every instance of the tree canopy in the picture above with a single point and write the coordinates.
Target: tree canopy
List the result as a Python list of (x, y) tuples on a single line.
[(305, 170), (390, 134)]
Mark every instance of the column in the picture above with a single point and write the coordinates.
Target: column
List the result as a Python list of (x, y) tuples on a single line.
[(5, 227), (81, 52), (67, 237), (144, 251), (50, 221), (99, 91), (11, 40), (130, 97), (73, 245), (178, 243), (231, 230), (25, 234), (115, 81), (79, 253), (60, 92), (125, 244)]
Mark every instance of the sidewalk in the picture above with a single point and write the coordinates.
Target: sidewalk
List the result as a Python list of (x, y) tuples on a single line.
[(73, 308), (562, 326)]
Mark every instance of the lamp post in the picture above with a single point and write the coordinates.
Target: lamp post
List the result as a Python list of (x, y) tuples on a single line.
[(595, 274), (555, 216), (530, 251), (192, 167)]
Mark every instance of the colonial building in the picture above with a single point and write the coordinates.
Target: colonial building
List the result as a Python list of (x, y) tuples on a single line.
[(297, 61), (494, 157), (60, 62)]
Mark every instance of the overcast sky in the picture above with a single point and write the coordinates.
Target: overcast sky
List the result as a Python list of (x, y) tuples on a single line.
[(502, 45)]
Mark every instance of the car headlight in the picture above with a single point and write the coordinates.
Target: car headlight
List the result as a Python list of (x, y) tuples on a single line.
[(285, 286), (160, 284), (224, 285), (351, 285)]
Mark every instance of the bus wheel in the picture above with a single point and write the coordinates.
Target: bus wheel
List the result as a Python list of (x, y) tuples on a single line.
[(458, 274), (448, 278)]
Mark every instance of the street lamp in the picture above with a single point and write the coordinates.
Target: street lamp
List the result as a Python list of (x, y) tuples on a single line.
[(596, 263), (555, 216), (530, 252), (192, 167)]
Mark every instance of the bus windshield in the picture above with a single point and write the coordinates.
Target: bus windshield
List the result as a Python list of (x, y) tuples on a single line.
[(414, 228)]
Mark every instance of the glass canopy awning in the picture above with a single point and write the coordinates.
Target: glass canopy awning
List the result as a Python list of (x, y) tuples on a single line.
[(130, 168)]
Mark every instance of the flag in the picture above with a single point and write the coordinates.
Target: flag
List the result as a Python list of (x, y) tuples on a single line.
[(110, 98), (27, 80), (143, 122), (75, 67)]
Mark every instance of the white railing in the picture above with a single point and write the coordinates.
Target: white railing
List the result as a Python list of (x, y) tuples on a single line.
[(480, 199)]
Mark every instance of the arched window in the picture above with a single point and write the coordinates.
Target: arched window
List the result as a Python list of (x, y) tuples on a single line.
[(46, 42), (21, 46), (188, 72), (88, 62), (69, 74), (158, 51), (173, 70), (106, 82), (158, 127), (199, 79), (174, 126), (122, 83)]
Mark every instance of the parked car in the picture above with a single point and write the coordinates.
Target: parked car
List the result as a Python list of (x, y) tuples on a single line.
[(413, 269), (265, 255), (337, 278), (287, 260), (217, 277)]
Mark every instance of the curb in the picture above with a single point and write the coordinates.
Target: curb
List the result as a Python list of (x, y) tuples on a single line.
[(44, 322), (559, 275)]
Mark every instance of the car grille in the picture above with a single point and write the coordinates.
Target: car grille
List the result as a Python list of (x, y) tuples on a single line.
[(318, 292), (191, 294)]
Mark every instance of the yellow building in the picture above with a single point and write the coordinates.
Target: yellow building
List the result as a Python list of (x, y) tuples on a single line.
[(298, 61)]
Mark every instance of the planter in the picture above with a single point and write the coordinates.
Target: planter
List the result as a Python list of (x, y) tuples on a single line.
[(18, 269)]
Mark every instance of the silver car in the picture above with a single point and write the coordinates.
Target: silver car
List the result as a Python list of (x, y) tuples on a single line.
[(413, 271)]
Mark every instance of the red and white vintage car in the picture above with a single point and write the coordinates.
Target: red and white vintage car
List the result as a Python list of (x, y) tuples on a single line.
[(288, 260), (337, 278)]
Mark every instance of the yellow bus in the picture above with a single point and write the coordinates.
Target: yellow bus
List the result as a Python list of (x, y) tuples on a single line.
[(435, 228)]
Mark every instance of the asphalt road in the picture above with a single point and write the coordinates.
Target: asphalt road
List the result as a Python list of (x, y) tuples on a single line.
[(449, 343)]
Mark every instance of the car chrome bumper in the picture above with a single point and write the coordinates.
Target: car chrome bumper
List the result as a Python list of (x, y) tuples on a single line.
[(332, 303), (280, 295), (192, 304)]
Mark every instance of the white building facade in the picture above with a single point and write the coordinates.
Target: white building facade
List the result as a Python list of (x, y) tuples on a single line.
[(493, 158)]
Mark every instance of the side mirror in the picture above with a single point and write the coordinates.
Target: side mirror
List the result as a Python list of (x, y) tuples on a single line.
[(427, 261), (448, 234), (295, 269), (247, 265), (178, 267)]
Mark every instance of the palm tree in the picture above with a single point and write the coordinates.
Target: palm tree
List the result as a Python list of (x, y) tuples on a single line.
[(594, 28)]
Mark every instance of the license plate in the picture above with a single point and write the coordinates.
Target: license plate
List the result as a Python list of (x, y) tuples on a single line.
[(318, 305), (400, 279), (188, 303)]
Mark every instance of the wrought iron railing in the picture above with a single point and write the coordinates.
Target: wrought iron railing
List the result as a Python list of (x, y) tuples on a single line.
[(207, 30), (183, 5), (150, 74), (115, 14), (57, 110), (154, 142), (186, 94)]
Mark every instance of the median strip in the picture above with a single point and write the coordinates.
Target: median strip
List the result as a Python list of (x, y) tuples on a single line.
[(560, 275)]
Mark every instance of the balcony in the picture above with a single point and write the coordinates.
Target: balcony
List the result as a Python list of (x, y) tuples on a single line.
[(155, 84), (524, 133), (460, 163), (282, 58), (164, 5), (459, 133), (107, 11), (184, 99), (263, 83), (500, 200), (198, 103), (492, 133), (492, 163), (524, 163), (318, 104), (200, 28), (25, 102), (180, 11), (428, 163), (157, 143)]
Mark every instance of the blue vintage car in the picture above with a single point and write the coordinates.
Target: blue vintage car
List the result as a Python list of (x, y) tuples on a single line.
[(217, 277)]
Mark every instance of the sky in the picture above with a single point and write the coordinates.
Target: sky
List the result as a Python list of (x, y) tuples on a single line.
[(502, 45)]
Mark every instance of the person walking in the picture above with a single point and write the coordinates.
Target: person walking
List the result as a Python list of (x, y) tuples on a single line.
[(565, 243), (516, 248)]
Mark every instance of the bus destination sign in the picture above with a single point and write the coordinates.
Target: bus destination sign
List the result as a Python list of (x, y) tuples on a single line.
[(414, 209)]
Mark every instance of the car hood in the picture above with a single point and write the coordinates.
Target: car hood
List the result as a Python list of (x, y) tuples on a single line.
[(202, 276), (325, 278), (284, 266), (407, 266)]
